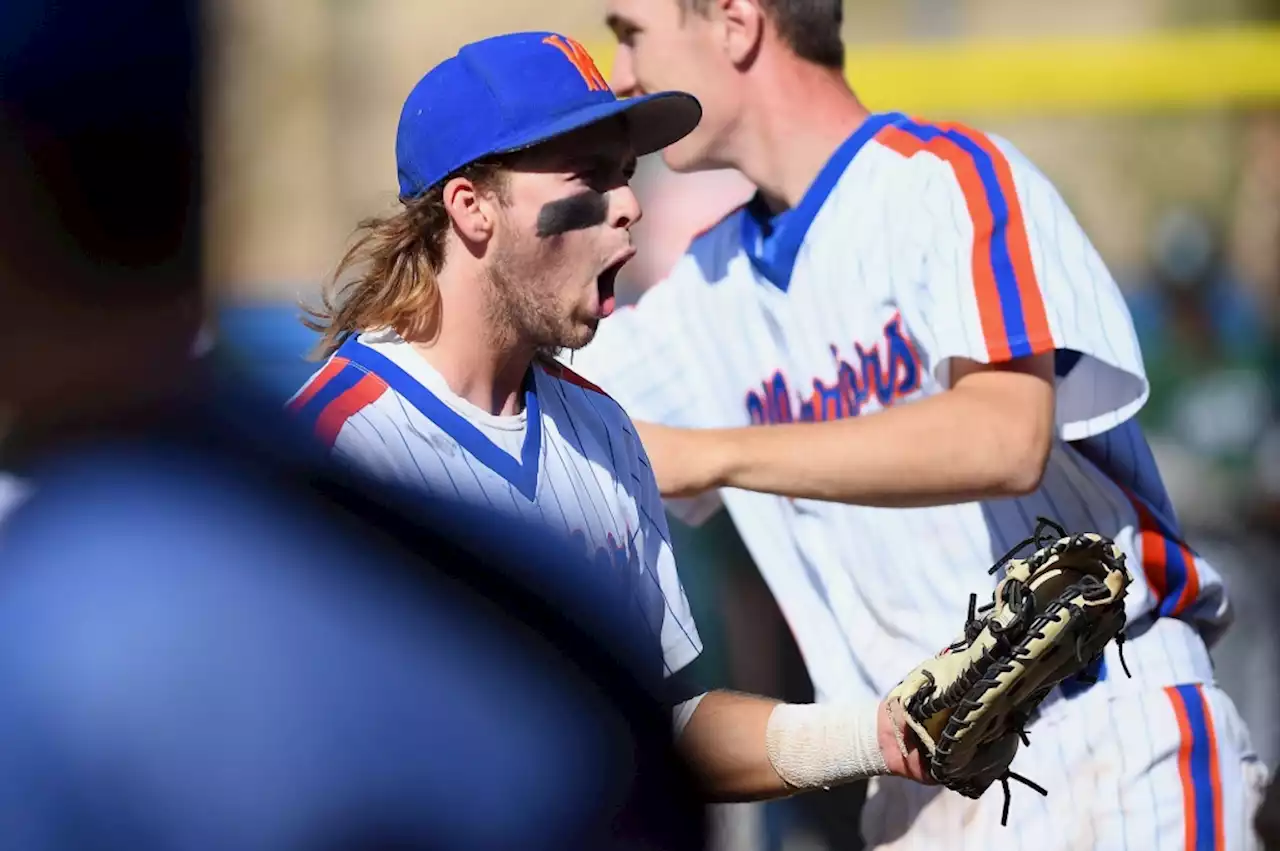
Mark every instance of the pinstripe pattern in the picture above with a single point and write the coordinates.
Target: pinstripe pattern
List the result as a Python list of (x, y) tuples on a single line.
[(868, 592), (1120, 773), (570, 461)]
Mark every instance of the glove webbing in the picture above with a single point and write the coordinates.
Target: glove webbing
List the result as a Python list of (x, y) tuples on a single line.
[(1045, 534), (1040, 538)]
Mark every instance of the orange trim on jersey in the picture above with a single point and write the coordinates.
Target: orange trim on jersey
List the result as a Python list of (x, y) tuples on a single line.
[(1020, 292), (358, 397), (1199, 769), (1191, 589), (1033, 310), (1184, 768), (332, 368), (1163, 555), (555, 369), (984, 279)]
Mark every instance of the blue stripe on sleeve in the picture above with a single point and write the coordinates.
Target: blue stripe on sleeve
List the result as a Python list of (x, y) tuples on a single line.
[(347, 378), (1001, 261)]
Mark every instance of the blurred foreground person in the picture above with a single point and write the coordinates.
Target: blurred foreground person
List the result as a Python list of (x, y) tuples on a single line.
[(205, 644)]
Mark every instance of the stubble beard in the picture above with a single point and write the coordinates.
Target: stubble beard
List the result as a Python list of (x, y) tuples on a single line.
[(522, 311)]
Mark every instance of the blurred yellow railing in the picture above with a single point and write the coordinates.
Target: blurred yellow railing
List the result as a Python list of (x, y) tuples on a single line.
[(1167, 70)]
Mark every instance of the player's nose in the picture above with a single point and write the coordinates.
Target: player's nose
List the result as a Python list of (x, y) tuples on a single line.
[(624, 207), (622, 77)]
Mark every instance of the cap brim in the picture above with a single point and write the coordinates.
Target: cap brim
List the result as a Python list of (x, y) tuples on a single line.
[(654, 121), (660, 119)]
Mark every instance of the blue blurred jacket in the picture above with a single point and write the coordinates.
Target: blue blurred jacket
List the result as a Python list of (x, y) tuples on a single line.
[(209, 642)]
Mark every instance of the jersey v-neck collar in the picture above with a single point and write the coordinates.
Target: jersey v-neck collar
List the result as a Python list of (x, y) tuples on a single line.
[(772, 242), (521, 474)]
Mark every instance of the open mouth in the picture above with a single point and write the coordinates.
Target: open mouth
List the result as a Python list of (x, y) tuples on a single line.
[(605, 284)]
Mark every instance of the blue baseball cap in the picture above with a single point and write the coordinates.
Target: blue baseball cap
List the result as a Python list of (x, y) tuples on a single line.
[(511, 92)]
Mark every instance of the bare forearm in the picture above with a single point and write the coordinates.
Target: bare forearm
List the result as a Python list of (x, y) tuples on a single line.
[(903, 457), (748, 748), (989, 439), (724, 741)]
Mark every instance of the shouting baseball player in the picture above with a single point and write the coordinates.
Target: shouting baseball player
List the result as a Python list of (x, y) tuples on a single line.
[(514, 158), (941, 357)]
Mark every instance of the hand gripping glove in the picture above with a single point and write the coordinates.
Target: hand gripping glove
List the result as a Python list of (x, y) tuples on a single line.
[(1049, 620)]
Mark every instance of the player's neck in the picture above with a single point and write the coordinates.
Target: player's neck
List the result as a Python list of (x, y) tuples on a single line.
[(484, 367), (799, 115)]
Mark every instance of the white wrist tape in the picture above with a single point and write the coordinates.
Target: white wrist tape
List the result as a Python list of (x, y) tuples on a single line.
[(820, 745)]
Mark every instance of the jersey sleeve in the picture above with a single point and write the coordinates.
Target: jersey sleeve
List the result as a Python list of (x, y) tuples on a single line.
[(1007, 272), (360, 446), (638, 357), (336, 407), (661, 593)]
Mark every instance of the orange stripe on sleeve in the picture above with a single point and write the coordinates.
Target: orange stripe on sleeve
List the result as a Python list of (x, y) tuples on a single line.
[(900, 141), (1158, 551), (335, 415), (1034, 316), (1191, 587), (1184, 768), (1155, 557), (332, 368), (975, 197)]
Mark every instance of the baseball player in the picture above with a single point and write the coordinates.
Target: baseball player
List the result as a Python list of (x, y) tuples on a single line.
[(514, 158), (941, 357)]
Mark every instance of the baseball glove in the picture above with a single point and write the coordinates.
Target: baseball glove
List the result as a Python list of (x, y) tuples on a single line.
[(1049, 620)]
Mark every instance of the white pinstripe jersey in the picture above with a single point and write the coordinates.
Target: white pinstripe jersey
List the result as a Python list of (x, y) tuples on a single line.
[(570, 461), (916, 244)]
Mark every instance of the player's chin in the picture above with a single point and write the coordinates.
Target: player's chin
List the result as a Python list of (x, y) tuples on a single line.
[(687, 155), (582, 333)]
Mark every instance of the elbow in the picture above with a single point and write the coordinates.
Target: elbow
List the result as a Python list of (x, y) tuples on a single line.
[(1014, 406), (1024, 457)]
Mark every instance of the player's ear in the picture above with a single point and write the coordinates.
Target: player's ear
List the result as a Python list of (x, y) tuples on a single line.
[(743, 23), (468, 209)]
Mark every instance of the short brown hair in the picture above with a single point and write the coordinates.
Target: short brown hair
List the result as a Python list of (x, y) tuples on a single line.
[(811, 28), (399, 256)]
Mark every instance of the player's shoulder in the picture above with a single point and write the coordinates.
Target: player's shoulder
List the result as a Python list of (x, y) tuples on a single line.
[(559, 372), (587, 409), (578, 390), (908, 136), (706, 259), (584, 400), (701, 270), (336, 394), (724, 230), (919, 147), (338, 382)]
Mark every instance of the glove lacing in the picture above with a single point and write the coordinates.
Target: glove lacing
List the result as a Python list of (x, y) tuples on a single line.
[(1016, 598), (1046, 533), (1040, 538)]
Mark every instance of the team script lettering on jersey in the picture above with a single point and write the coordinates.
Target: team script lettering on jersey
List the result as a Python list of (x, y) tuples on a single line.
[(886, 371)]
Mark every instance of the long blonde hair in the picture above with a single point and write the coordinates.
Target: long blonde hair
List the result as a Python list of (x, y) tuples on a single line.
[(399, 256)]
